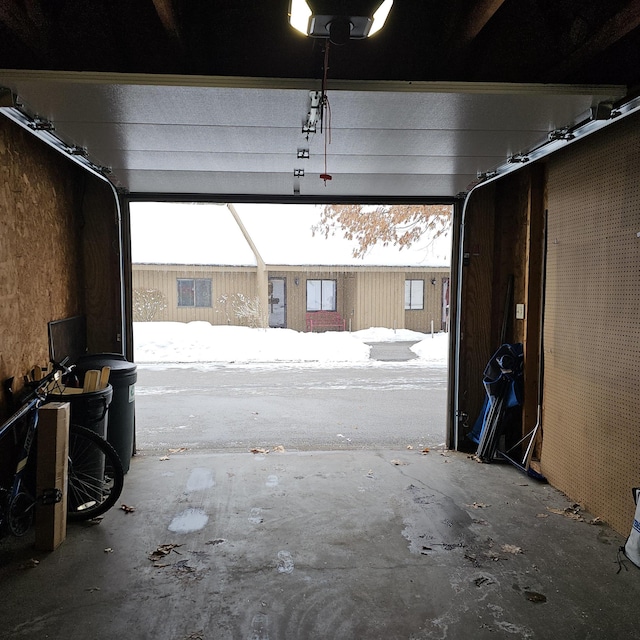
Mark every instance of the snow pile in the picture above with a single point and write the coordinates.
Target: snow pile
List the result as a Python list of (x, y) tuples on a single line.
[(434, 349), (380, 334), (201, 342)]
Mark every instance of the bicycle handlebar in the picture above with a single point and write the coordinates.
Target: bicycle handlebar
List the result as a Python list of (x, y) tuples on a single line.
[(37, 386)]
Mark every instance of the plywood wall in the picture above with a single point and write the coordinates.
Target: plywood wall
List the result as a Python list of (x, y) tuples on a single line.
[(591, 446), (41, 261), (59, 252)]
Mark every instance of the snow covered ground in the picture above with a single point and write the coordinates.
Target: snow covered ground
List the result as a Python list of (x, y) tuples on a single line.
[(164, 343)]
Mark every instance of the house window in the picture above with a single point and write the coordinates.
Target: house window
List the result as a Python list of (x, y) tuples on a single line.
[(321, 295), (194, 292), (414, 294)]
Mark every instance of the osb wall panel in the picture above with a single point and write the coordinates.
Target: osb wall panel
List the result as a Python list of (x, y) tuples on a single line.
[(591, 445), (40, 257)]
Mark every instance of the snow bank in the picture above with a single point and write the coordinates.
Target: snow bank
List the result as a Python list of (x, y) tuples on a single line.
[(201, 342)]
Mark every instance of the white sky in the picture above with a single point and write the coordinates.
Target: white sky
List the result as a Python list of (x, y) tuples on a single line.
[(160, 344), (179, 233)]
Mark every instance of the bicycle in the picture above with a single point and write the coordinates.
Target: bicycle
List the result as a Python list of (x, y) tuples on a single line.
[(95, 473)]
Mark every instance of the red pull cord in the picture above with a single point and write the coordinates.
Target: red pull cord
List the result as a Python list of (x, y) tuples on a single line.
[(325, 106)]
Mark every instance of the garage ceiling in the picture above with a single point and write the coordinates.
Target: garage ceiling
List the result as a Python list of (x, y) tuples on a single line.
[(173, 101)]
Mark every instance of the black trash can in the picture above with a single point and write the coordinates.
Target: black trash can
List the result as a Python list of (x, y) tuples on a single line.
[(89, 409), (122, 378)]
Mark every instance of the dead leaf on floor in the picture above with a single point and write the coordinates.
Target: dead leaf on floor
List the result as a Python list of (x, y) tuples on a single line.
[(511, 548), (179, 450), (425, 451), (278, 449), (196, 635), (370, 474), (162, 551), (569, 512), (216, 541), (478, 505), (258, 450), (534, 596), (108, 550), (542, 515), (410, 447), (399, 463), (597, 522), (163, 458), (126, 508)]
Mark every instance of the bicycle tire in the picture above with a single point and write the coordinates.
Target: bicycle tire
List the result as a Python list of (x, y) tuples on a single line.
[(96, 476), (20, 513)]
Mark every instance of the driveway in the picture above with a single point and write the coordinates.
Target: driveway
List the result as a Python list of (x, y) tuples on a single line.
[(392, 351), (234, 408)]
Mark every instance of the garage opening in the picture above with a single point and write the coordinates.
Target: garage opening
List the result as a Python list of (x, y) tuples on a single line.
[(306, 327)]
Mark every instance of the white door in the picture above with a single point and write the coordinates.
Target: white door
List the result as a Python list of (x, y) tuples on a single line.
[(277, 303)]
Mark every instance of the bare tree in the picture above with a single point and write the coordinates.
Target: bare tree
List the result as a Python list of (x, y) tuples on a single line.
[(148, 304), (400, 225), (245, 309)]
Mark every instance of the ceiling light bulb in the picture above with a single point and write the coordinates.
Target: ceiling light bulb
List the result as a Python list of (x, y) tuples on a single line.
[(380, 16), (299, 14)]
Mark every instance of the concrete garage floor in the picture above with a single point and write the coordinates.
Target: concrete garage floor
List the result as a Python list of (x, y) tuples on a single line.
[(331, 545)]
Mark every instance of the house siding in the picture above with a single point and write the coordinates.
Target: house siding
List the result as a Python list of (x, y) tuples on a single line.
[(225, 282), (365, 296)]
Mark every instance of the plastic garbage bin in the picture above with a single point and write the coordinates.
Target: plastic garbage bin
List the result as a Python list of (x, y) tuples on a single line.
[(122, 378), (89, 409)]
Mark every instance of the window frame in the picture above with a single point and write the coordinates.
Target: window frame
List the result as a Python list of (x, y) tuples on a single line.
[(323, 281), (409, 303), (196, 295)]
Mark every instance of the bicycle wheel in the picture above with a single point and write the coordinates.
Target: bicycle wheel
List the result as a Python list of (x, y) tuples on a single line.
[(20, 513), (95, 475)]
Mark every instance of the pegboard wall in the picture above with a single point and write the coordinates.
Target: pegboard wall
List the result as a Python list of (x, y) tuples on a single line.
[(591, 404)]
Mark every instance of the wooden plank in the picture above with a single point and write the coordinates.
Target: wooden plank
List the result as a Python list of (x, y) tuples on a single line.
[(91, 380), (533, 299), (51, 473), (104, 377)]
